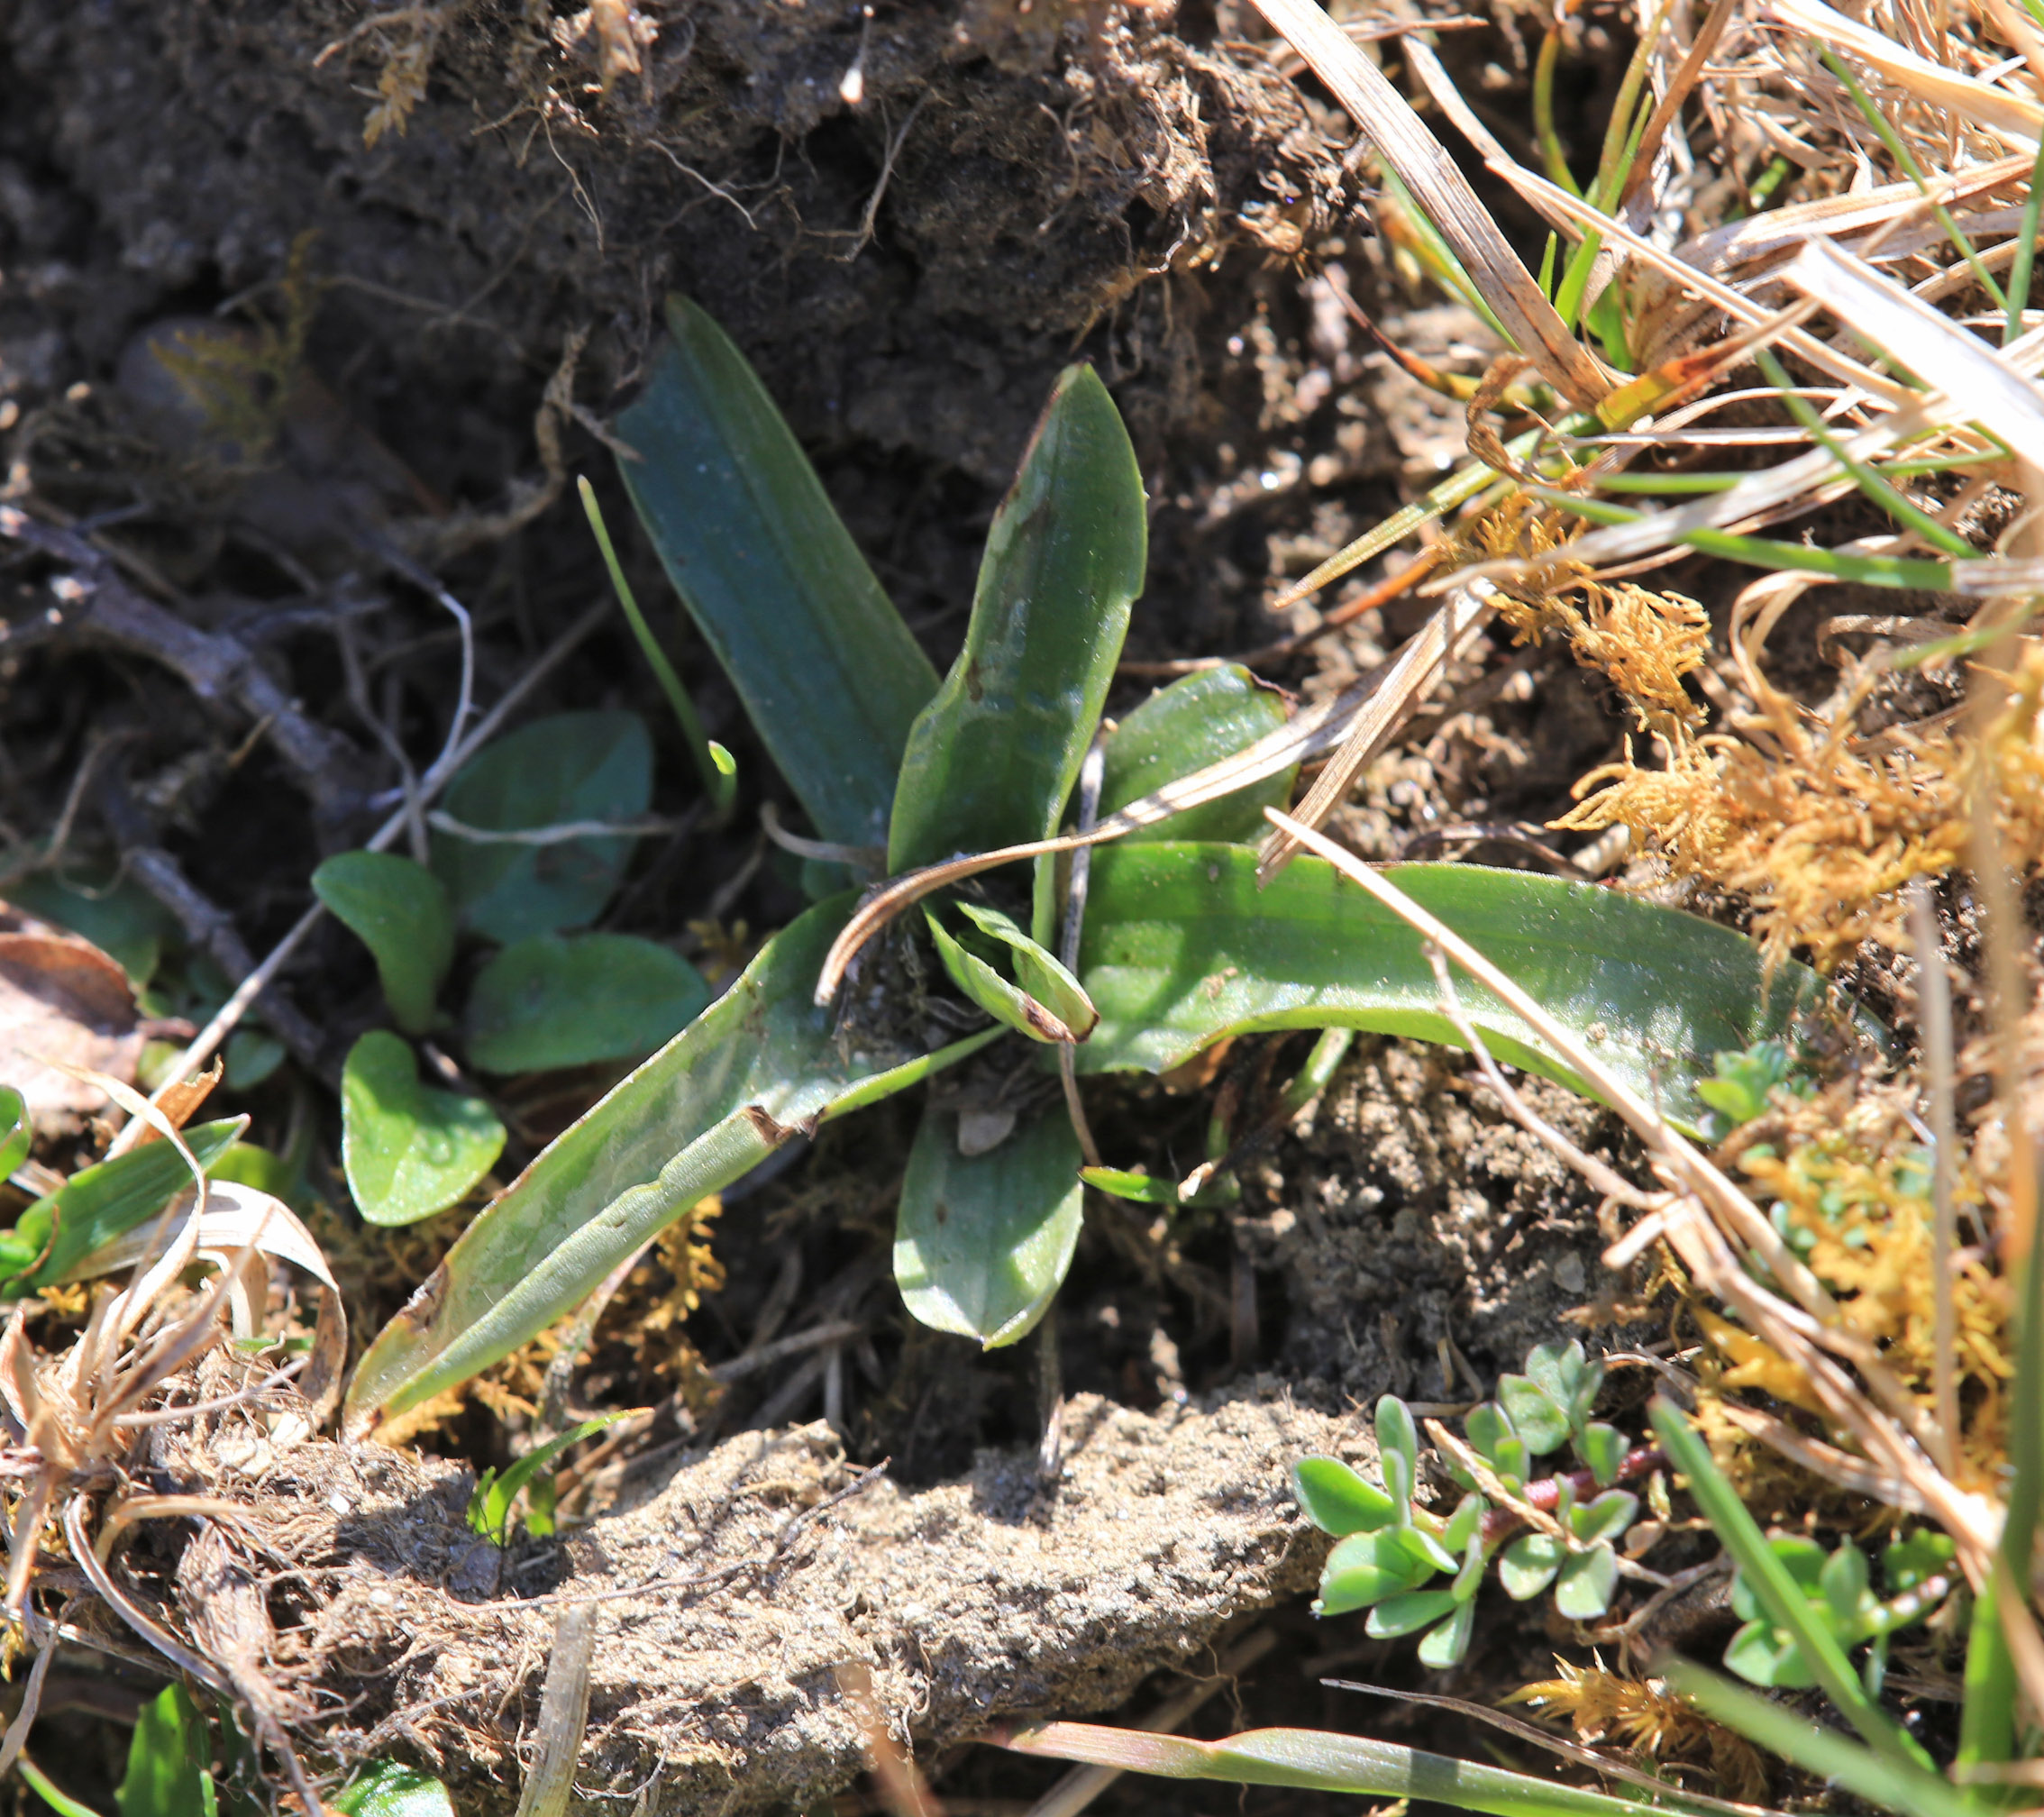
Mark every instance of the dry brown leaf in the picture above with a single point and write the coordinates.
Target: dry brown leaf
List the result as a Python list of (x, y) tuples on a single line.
[(62, 1000)]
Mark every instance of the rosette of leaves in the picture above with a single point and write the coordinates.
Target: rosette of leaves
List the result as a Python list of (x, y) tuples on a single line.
[(1181, 948), (1391, 1549)]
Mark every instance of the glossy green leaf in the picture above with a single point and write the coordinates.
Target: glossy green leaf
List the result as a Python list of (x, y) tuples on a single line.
[(489, 1507), (408, 1149), (399, 910), (760, 1065), (1181, 949), (566, 769), (567, 1000), (1528, 1566), (1037, 970), (1398, 1452), (1137, 1189), (1407, 1612), (1197, 720), (388, 1788), (1365, 1568), (99, 1203), (981, 1242), (1583, 1589), (992, 758), (1008, 1003), (1447, 1644), (1336, 1501), (1605, 1517), (830, 676), (17, 1130), (168, 1760)]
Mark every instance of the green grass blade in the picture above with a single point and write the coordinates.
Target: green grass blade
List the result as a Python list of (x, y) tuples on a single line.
[(47, 1789), (1899, 151), (2025, 258), (1895, 1784), (1551, 154), (760, 1065), (1181, 949), (1780, 1595), (720, 782), (992, 758), (830, 674), (1311, 1759), (1869, 481)]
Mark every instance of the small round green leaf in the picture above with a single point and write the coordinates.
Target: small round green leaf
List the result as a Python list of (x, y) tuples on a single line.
[(1337, 1501), (981, 1242), (399, 909), (1605, 1518), (1583, 1591), (571, 767), (557, 1001), (407, 1149)]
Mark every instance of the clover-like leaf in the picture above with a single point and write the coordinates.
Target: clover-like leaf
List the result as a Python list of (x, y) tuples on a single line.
[(399, 910), (1605, 1518), (408, 1149), (1582, 1590), (572, 999), (1603, 1448), (1537, 1417), (1528, 1566), (1336, 1501)]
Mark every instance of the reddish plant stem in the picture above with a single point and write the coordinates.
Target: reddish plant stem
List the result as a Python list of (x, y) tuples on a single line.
[(1545, 1493)]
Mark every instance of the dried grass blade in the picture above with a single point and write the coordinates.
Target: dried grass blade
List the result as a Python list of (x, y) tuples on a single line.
[(1418, 665), (1941, 352), (1423, 165), (2009, 117), (123, 1605)]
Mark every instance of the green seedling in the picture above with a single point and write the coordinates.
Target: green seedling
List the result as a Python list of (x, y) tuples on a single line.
[(1179, 948), (1391, 1549), (1916, 1569), (408, 1149), (489, 1507)]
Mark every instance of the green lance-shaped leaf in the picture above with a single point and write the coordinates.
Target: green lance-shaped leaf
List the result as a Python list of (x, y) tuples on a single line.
[(569, 767), (1181, 949), (1336, 1501), (981, 1242), (991, 760), (97, 1204), (760, 1065), (1317, 1760), (399, 909), (408, 1149), (169, 1761), (830, 676), (568, 1000), (1197, 720), (1043, 1001)]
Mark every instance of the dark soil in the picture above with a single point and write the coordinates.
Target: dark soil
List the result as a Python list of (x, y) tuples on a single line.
[(1017, 187)]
